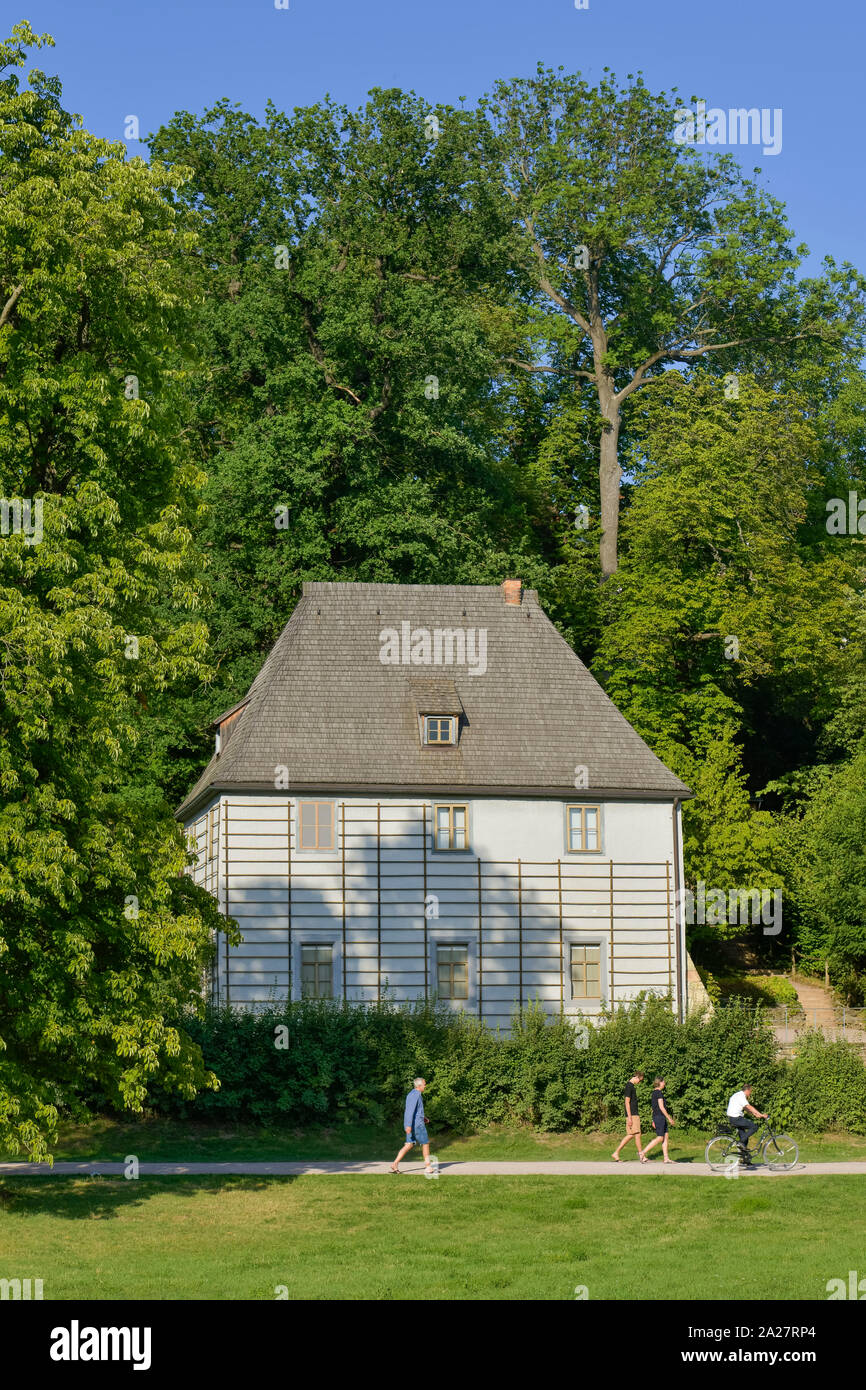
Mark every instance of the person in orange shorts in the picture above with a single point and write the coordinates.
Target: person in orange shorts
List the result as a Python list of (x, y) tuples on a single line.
[(632, 1118)]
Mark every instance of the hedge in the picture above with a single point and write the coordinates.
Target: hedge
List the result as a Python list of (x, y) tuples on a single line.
[(759, 989), (355, 1062)]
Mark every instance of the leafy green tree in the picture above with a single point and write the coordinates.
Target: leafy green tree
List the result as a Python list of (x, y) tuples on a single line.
[(827, 867), (726, 613), (634, 253), (348, 407), (102, 943)]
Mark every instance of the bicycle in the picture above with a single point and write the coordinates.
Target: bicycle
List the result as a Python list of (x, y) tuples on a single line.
[(779, 1153)]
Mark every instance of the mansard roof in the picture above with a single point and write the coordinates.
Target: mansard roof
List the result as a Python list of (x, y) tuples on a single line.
[(336, 704)]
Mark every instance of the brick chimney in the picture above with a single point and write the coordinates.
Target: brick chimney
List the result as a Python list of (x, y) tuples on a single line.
[(513, 591)]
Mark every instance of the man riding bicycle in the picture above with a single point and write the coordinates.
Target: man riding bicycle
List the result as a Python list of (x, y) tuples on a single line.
[(738, 1103)]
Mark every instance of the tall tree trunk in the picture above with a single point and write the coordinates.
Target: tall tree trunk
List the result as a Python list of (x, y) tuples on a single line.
[(609, 475)]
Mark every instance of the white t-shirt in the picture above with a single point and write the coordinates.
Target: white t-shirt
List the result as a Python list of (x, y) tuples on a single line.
[(737, 1104)]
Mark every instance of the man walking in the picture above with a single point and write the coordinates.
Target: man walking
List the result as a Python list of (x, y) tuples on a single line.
[(415, 1125), (661, 1121), (632, 1118), (745, 1128)]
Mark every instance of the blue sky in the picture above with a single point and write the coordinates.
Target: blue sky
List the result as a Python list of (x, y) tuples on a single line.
[(131, 57)]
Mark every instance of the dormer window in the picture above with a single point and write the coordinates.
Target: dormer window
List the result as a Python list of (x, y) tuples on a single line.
[(440, 729), (439, 709), (224, 724)]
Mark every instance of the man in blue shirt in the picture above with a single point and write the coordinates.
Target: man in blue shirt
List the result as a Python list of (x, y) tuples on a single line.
[(414, 1123)]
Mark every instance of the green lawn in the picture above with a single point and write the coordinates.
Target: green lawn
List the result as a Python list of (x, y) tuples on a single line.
[(170, 1140), (459, 1238)]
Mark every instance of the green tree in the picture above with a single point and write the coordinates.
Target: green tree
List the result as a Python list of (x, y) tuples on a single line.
[(827, 867), (102, 943), (634, 253), (347, 408), (727, 612)]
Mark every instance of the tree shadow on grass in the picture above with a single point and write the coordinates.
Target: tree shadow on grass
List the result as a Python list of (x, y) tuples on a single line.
[(90, 1199)]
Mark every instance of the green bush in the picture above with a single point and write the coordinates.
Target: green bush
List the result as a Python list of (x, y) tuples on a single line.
[(354, 1062), (711, 985), (779, 988), (768, 990), (848, 982), (824, 1087)]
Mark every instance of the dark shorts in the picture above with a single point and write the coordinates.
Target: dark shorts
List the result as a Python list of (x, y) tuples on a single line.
[(419, 1134), (660, 1125)]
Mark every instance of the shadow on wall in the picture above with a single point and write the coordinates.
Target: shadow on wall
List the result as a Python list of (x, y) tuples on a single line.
[(387, 919)]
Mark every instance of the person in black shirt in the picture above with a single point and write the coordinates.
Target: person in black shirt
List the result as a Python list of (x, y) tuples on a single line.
[(661, 1121), (632, 1118)]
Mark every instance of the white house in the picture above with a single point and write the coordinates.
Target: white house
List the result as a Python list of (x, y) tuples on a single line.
[(426, 792)]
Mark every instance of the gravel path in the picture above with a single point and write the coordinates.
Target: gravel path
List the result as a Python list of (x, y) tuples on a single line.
[(547, 1168)]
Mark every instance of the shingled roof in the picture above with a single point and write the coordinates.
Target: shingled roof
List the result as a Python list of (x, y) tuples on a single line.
[(326, 708)]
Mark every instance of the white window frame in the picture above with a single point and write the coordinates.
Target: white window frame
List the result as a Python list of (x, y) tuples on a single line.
[(443, 743), (463, 948), (584, 806), (297, 848), (578, 1003), (455, 936), (585, 946), (318, 936), (437, 806), (327, 949)]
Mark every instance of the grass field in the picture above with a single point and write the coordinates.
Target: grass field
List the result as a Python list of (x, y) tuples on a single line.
[(175, 1140), (470, 1238)]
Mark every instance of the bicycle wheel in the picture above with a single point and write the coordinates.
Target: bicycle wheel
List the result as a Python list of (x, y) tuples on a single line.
[(719, 1152), (780, 1153)]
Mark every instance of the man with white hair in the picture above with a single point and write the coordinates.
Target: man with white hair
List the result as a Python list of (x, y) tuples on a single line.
[(415, 1125)]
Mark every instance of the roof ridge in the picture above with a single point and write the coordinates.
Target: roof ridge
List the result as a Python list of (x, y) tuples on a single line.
[(334, 703), (311, 586)]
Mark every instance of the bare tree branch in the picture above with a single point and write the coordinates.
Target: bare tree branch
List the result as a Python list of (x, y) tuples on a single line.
[(674, 352), (317, 352), (385, 399), (10, 303), (554, 294), (567, 371)]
